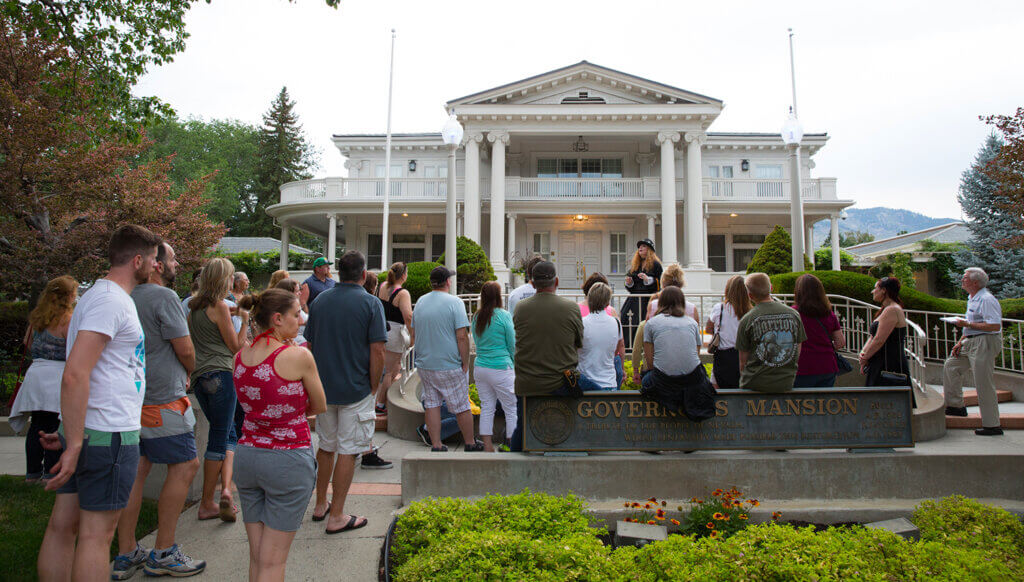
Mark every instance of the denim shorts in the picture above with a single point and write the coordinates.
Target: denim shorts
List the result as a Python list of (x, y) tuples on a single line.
[(215, 392), (105, 471)]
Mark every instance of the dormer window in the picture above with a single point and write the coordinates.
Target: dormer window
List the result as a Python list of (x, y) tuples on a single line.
[(583, 97)]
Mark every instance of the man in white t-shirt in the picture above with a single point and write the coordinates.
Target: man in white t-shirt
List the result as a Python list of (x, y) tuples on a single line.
[(526, 289), (102, 390)]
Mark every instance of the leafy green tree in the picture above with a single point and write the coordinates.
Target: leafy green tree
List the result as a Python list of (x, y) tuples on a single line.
[(897, 265), (775, 254), (849, 238), (823, 259), (113, 43), (1007, 170), (224, 149), (283, 155), (472, 264), (992, 222)]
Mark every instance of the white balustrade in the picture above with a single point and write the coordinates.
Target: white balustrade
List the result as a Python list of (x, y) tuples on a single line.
[(559, 188)]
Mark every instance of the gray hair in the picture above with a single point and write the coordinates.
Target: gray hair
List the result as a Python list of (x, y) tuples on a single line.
[(238, 276), (977, 275)]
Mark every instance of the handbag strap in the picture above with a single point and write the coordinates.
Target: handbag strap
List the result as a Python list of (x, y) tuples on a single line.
[(825, 329)]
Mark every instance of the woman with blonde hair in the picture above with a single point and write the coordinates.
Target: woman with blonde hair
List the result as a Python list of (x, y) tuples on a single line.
[(276, 277), (398, 313), (643, 278), (672, 277), (216, 343), (724, 322), (278, 387), (39, 396), (495, 339)]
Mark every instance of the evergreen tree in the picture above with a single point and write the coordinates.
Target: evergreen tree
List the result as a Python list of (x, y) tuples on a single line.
[(990, 223), (283, 155), (775, 254)]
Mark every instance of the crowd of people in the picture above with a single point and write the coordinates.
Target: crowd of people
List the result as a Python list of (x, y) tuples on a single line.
[(106, 395)]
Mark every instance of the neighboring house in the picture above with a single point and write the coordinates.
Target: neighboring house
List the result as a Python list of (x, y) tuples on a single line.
[(871, 253), (577, 164), (231, 245)]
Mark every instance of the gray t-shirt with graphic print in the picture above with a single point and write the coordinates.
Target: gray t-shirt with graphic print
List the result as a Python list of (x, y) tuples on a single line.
[(771, 334)]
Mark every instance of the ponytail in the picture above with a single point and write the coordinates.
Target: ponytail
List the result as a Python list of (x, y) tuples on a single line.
[(395, 273), (264, 305)]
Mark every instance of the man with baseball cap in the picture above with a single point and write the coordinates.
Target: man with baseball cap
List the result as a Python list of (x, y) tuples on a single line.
[(318, 282), (442, 358)]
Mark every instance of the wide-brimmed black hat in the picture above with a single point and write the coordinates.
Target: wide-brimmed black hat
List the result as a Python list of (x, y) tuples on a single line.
[(648, 242)]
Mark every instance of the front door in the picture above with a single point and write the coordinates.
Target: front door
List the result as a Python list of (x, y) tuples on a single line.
[(579, 255)]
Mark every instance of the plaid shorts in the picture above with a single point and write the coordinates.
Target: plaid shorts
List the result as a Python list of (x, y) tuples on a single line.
[(451, 386)]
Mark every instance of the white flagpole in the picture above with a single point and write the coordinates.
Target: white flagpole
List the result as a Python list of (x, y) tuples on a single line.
[(387, 165), (792, 71)]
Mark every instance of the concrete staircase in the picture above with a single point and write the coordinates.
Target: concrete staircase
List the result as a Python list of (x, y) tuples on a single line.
[(1011, 411)]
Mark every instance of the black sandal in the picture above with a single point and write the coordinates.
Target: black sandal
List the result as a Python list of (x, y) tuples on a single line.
[(351, 525), (324, 516)]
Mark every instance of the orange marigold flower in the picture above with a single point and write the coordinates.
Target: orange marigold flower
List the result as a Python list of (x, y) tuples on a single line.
[(650, 522), (635, 504), (674, 521), (737, 503), (694, 500), (726, 518), (714, 535), (709, 525), (776, 515), (754, 502), (718, 515), (651, 499), (659, 518), (743, 516)]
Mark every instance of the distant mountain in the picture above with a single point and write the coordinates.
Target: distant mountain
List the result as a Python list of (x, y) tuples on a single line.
[(879, 221)]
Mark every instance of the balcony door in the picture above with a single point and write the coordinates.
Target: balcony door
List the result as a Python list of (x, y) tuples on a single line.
[(569, 168), (579, 255)]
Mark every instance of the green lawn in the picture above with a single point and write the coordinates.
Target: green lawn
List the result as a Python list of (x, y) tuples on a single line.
[(24, 512)]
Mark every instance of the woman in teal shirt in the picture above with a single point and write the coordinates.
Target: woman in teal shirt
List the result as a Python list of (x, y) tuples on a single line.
[(495, 376)]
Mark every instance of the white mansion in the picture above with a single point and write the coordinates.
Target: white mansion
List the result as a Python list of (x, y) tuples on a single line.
[(576, 164)]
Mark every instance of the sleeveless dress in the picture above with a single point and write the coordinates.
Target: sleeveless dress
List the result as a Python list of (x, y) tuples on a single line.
[(891, 357), (275, 408)]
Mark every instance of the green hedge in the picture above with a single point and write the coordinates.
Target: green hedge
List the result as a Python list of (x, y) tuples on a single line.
[(418, 282), (540, 537), (858, 286)]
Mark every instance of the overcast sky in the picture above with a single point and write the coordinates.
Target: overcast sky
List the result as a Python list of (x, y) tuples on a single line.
[(898, 85)]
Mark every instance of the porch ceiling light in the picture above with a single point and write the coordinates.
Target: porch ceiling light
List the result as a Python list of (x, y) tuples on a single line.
[(452, 132), (733, 214), (580, 145), (792, 131), (580, 217)]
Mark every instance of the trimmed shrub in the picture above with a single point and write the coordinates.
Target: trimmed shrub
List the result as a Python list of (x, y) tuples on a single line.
[(775, 255), (418, 282), (472, 264), (964, 522), (823, 259)]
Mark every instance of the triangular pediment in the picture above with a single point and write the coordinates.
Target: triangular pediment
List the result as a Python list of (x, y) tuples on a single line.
[(584, 83)]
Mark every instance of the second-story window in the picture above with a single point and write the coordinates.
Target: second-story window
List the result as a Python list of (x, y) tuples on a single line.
[(716, 174)]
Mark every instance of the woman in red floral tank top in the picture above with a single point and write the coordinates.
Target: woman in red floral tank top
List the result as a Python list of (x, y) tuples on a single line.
[(275, 470)]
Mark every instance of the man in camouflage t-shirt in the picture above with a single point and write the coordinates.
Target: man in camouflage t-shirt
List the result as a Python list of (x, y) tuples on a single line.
[(768, 340)]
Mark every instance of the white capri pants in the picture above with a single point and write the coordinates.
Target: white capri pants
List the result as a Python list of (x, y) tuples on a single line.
[(496, 386)]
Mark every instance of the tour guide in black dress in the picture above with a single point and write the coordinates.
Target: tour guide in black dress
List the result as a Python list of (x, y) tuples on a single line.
[(643, 278)]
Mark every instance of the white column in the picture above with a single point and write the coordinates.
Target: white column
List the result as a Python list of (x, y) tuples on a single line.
[(511, 236), (650, 226), (332, 238), (471, 204), (796, 208), (667, 141), (834, 224), (694, 201), (285, 246), (499, 139), (450, 255)]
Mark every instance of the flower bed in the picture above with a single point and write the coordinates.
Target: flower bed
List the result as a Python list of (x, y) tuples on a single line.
[(542, 537)]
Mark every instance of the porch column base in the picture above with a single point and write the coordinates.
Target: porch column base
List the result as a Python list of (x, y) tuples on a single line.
[(502, 273), (698, 280)]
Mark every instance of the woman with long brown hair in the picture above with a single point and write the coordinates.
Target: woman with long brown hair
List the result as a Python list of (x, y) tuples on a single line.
[(883, 352), (216, 343), (724, 321), (671, 339), (39, 396), (278, 387), (817, 366), (495, 339), (398, 313), (643, 278)]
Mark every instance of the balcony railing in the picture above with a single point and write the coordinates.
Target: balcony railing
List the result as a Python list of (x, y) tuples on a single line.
[(551, 189)]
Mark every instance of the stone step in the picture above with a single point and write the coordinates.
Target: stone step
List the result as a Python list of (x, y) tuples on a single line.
[(971, 396), (1011, 421)]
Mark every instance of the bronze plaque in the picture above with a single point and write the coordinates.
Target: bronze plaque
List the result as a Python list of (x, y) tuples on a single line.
[(802, 418)]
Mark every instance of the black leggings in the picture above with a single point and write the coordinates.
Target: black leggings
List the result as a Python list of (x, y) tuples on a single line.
[(726, 368), (38, 459)]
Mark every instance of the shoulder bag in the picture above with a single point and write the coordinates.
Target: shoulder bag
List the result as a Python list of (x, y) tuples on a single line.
[(841, 362), (717, 338), (888, 377)]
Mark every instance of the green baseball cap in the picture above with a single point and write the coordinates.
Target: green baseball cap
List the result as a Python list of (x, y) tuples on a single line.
[(319, 262)]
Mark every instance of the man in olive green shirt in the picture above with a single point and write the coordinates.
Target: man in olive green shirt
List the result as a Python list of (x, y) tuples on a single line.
[(768, 340), (549, 331)]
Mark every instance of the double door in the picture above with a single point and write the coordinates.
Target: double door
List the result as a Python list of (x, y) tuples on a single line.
[(579, 255)]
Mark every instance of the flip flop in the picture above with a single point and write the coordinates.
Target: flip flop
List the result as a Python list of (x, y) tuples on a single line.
[(227, 510), (324, 516), (351, 525)]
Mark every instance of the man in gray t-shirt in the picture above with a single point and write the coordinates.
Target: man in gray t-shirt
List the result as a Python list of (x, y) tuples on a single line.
[(168, 423)]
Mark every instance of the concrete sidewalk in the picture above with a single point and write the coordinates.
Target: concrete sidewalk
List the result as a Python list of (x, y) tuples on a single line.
[(375, 494)]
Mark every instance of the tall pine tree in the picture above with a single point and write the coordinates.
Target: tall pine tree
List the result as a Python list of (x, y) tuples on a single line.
[(990, 224), (283, 155)]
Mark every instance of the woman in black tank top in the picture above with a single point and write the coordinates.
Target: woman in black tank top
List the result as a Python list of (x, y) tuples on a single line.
[(398, 312)]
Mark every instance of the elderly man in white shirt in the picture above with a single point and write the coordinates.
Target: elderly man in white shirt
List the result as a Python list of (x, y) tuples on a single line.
[(526, 289), (975, 353)]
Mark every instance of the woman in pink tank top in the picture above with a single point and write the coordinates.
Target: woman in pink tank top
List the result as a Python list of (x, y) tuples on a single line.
[(278, 387)]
